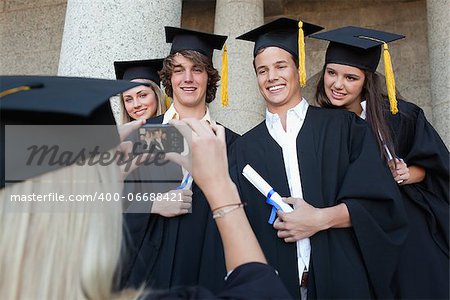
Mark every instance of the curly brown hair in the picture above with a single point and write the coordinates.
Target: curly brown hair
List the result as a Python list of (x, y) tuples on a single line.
[(199, 60)]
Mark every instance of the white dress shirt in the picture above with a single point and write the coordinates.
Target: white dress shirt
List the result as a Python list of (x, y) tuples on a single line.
[(363, 112), (288, 142)]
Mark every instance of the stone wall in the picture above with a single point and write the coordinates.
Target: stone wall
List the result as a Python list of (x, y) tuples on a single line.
[(198, 14), (30, 36)]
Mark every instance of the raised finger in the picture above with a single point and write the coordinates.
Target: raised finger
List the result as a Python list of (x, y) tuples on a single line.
[(201, 128)]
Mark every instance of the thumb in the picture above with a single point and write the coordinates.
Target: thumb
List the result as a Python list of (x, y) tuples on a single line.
[(126, 129)]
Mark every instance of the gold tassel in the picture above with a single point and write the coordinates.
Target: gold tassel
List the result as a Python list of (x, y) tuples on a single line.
[(301, 55), (168, 101), (390, 80), (388, 74), (224, 78), (14, 90)]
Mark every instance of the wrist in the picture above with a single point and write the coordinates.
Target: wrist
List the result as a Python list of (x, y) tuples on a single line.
[(324, 218), (222, 194), (221, 211), (336, 216)]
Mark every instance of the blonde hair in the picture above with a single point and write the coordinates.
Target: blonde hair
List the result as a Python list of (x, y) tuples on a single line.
[(62, 254), (161, 105)]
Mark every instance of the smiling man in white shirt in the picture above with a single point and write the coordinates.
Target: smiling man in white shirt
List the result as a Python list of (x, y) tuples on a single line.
[(321, 158)]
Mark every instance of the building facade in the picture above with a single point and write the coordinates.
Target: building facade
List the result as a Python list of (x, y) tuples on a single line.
[(83, 38)]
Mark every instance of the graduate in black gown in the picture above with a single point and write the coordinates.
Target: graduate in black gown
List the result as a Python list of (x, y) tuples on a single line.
[(346, 204), (184, 249), (418, 158), (249, 275)]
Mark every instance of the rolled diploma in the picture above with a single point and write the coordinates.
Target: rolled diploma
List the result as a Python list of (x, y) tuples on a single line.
[(262, 186)]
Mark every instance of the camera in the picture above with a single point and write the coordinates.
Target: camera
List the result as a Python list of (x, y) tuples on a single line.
[(153, 138)]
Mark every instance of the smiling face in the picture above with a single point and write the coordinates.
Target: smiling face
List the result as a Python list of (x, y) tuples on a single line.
[(140, 102), (189, 82), (278, 78), (343, 86)]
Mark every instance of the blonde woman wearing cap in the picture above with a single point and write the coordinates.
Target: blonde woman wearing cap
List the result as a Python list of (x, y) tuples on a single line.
[(145, 101), (416, 155)]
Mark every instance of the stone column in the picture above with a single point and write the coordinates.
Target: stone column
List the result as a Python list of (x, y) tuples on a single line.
[(246, 105), (438, 13), (96, 33)]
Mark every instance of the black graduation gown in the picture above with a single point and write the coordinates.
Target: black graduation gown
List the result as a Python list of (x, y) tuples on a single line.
[(248, 281), (339, 163), (170, 252), (423, 270)]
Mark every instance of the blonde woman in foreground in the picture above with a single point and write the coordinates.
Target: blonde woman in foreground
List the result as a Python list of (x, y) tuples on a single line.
[(75, 254)]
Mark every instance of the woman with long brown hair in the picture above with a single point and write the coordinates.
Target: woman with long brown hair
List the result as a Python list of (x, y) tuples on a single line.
[(416, 155)]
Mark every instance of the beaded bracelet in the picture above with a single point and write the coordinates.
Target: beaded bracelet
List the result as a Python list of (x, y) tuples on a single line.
[(223, 210)]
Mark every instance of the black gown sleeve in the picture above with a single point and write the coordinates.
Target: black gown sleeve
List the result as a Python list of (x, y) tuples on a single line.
[(375, 207), (418, 143), (429, 152), (248, 281)]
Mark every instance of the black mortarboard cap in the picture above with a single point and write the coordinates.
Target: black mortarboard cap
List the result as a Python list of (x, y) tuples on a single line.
[(47, 100), (361, 48), (139, 69), (281, 33), (356, 46), (284, 33), (186, 39)]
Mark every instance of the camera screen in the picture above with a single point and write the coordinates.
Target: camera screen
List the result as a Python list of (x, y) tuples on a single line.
[(159, 138)]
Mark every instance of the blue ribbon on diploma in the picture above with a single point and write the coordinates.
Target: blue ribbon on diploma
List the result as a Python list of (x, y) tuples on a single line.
[(184, 183), (275, 206)]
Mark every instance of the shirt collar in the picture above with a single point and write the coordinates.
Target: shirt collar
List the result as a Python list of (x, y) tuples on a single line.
[(171, 114), (363, 113), (298, 112)]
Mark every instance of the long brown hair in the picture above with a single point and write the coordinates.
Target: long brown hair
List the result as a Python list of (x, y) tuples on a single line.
[(376, 108), (199, 60)]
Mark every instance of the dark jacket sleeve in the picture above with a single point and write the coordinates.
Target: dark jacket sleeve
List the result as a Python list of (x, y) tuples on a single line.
[(248, 281)]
